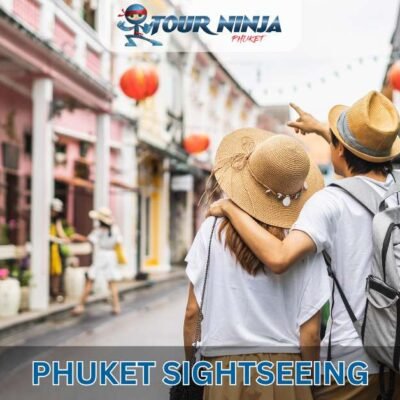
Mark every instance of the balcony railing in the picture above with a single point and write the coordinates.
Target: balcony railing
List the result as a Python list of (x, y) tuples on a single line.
[(66, 31)]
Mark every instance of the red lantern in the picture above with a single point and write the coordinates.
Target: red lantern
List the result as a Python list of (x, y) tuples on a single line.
[(196, 143), (139, 83), (152, 81), (394, 75)]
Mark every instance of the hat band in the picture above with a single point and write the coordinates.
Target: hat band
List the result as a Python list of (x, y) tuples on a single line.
[(348, 137)]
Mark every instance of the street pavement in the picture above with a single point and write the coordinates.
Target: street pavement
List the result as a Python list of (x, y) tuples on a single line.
[(152, 320)]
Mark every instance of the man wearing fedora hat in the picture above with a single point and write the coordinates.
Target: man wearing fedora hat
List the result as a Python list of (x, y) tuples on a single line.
[(364, 140)]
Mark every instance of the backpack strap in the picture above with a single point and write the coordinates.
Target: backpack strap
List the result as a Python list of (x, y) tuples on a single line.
[(346, 303), (341, 292), (361, 192), (393, 189)]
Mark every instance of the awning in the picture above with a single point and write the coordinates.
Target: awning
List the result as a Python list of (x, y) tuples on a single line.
[(170, 150)]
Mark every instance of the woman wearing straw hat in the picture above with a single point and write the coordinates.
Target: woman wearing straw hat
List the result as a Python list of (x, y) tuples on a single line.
[(248, 313), (104, 238), (364, 141)]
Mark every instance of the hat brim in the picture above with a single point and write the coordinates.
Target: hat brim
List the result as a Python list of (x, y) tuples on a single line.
[(334, 115), (99, 217), (250, 196)]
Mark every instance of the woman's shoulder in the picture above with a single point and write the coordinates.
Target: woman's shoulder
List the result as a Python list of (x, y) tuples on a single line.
[(204, 232), (207, 226)]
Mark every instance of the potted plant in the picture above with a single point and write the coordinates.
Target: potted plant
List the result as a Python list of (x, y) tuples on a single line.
[(23, 275), (10, 294), (24, 280)]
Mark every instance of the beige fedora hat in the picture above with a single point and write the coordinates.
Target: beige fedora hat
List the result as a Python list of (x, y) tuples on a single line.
[(267, 175), (368, 128), (103, 214)]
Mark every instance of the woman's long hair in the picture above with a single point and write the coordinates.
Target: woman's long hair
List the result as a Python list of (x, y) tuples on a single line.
[(232, 240)]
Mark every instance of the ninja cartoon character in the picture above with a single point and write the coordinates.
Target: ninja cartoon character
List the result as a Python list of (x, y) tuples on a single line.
[(136, 14)]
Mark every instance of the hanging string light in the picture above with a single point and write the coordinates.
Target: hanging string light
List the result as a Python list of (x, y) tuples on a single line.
[(337, 73)]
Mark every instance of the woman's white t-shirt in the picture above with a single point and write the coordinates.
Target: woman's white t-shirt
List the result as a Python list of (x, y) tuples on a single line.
[(252, 314)]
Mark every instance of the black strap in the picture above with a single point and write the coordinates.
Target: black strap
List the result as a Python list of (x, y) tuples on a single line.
[(349, 310), (200, 316), (336, 282), (329, 355), (386, 393)]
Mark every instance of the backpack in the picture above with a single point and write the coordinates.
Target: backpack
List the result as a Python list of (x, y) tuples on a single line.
[(379, 328)]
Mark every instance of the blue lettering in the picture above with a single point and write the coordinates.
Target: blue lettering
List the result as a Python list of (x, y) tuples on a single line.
[(264, 25), (238, 24), (230, 372), (224, 24), (248, 23), (106, 373), (170, 24), (127, 373), (58, 372), (172, 375), (146, 366), (275, 26), (202, 22), (303, 369), (80, 378), (264, 370), (155, 24), (338, 374), (40, 369), (185, 24), (247, 365), (317, 373), (284, 370), (202, 373), (357, 373)]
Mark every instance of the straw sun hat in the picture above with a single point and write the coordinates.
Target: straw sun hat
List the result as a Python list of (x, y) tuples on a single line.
[(368, 128), (267, 175), (103, 215)]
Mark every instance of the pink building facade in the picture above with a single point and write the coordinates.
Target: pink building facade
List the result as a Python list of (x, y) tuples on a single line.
[(58, 136)]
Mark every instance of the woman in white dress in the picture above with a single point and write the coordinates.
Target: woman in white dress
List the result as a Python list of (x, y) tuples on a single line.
[(104, 238)]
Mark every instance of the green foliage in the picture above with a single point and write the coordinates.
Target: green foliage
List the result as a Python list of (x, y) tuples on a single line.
[(24, 276)]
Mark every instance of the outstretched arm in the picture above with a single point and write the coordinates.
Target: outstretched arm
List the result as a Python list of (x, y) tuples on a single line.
[(277, 255), (306, 123)]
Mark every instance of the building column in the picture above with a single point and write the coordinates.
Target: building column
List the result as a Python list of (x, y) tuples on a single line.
[(47, 20), (189, 234), (128, 202), (165, 253), (102, 183), (42, 94)]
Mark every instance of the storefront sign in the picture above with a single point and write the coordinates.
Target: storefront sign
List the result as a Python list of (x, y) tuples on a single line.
[(182, 183)]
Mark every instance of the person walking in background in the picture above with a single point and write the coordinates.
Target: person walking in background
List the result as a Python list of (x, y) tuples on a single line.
[(105, 239), (250, 314), (58, 237)]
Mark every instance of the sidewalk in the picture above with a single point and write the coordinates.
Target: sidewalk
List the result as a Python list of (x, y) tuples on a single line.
[(22, 321)]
